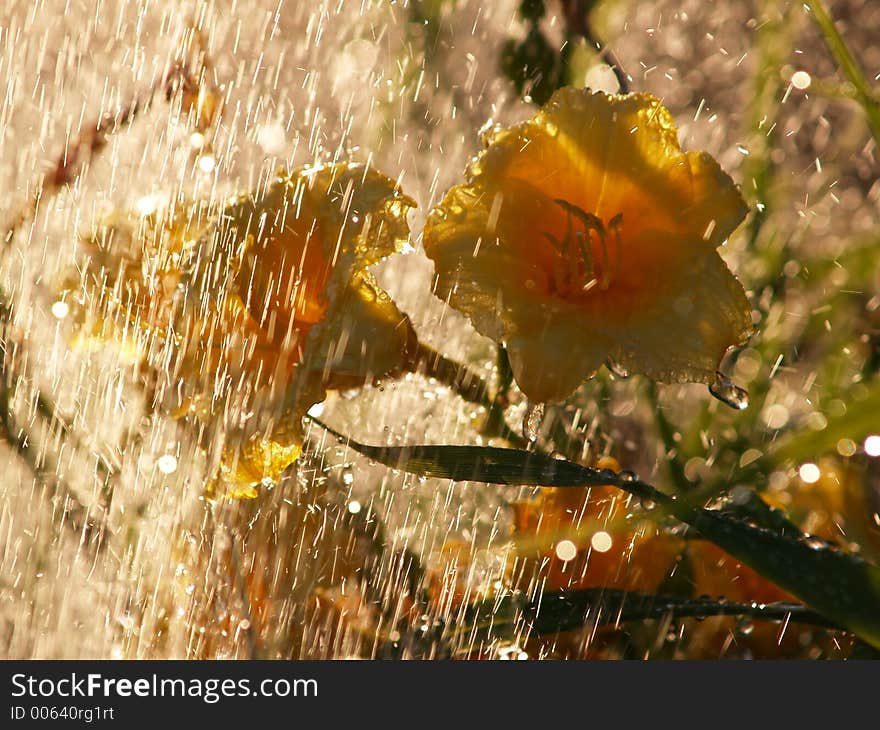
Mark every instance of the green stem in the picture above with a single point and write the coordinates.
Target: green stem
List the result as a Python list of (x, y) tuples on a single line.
[(464, 381), (495, 425), (557, 611), (472, 388), (667, 435), (848, 65)]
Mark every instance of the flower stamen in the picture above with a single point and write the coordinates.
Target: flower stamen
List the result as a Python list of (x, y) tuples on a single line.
[(581, 274), (614, 226)]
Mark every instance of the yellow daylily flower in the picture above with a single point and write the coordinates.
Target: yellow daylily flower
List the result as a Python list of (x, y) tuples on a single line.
[(246, 321), (586, 235)]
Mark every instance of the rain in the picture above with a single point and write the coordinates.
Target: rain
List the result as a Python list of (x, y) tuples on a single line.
[(701, 506)]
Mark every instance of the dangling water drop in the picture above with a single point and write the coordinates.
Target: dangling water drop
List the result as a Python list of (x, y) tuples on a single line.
[(618, 370), (729, 393), (745, 626), (627, 476), (532, 420)]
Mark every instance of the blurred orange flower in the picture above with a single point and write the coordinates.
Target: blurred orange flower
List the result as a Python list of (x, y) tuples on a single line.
[(245, 322), (585, 235), (572, 539)]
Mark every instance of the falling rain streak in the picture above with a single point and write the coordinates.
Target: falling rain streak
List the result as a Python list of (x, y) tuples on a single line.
[(128, 133)]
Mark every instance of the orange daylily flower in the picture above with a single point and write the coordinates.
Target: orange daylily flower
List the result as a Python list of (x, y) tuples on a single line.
[(250, 319), (586, 235), (565, 538), (573, 538)]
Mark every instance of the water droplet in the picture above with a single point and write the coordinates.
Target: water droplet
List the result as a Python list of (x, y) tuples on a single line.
[(601, 542), (627, 476), (272, 138), (354, 507), (148, 204), (809, 473), (846, 447), (801, 80), (207, 163), (60, 309), (566, 550), (532, 421), (510, 652), (745, 626), (617, 369), (814, 542), (347, 476), (729, 393), (167, 464)]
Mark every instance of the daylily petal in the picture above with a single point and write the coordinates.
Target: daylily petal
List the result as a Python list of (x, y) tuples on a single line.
[(702, 305), (370, 338), (470, 261), (611, 154)]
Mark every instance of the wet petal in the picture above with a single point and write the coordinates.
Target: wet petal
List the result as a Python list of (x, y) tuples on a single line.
[(612, 154), (550, 364), (682, 333), (370, 338)]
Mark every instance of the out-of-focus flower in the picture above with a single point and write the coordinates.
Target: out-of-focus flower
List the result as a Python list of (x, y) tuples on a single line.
[(717, 574), (563, 539), (572, 538), (246, 321), (585, 235)]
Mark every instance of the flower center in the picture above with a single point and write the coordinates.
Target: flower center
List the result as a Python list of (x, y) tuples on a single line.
[(583, 258)]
